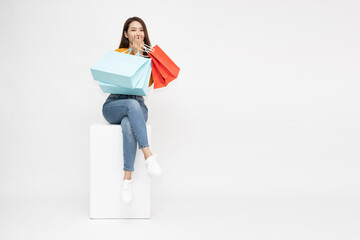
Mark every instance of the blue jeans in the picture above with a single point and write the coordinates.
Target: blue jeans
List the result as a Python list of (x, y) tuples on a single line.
[(131, 112)]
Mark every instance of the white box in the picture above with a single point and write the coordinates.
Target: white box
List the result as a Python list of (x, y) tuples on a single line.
[(106, 175)]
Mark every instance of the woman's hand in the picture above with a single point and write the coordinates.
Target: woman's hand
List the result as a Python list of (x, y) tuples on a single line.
[(137, 44)]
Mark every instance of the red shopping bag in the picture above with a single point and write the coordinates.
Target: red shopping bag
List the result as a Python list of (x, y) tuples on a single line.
[(159, 81), (165, 73), (167, 68)]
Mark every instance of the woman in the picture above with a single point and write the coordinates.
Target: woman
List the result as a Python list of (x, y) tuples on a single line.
[(131, 112)]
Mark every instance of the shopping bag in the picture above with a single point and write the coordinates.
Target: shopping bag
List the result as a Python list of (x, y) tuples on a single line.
[(140, 88), (159, 81), (119, 68), (164, 72), (167, 68)]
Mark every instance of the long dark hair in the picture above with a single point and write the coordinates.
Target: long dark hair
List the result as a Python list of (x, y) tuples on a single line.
[(124, 43)]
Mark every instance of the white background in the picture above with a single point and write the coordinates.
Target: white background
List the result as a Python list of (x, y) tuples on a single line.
[(258, 137)]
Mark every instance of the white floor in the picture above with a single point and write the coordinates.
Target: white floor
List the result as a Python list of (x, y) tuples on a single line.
[(194, 216)]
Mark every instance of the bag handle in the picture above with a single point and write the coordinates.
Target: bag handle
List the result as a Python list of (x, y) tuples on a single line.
[(130, 49), (148, 48)]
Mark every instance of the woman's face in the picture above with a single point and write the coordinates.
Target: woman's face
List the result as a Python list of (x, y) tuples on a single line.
[(135, 30)]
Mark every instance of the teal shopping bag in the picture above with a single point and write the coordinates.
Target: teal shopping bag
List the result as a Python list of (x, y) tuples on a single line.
[(141, 87), (119, 68)]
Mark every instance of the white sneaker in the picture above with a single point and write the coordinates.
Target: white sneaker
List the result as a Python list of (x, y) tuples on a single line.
[(126, 192), (152, 167)]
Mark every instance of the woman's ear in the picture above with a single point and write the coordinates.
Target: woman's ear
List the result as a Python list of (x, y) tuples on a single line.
[(126, 34)]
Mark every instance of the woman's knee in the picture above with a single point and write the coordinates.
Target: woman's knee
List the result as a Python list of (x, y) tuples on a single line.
[(134, 104), (109, 115)]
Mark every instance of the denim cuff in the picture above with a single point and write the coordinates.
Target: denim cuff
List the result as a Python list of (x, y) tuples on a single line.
[(142, 146)]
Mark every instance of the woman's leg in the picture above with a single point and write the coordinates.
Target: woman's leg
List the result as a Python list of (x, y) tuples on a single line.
[(138, 123), (129, 145), (115, 112), (129, 148), (146, 150)]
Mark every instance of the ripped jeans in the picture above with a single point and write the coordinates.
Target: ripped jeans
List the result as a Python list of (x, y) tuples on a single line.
[(131, 112)]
